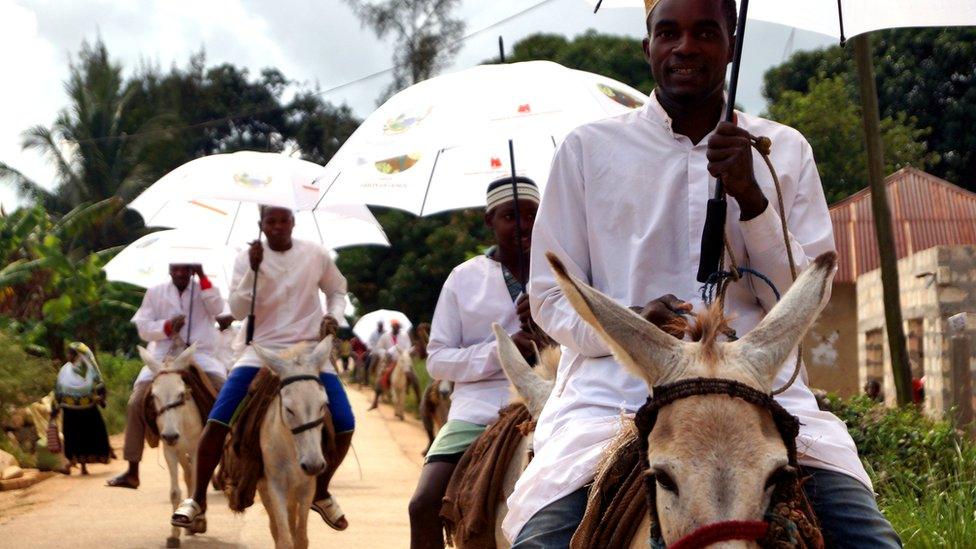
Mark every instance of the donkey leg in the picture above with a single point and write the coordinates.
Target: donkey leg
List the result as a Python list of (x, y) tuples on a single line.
[(277, 506), (175, 495), (302, 504), (266, 502)]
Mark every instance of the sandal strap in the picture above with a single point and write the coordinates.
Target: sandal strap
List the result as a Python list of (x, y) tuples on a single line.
[(189, 508)]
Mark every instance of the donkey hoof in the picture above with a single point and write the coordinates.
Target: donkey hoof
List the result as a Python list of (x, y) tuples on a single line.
[(172, 542), (199, 526)]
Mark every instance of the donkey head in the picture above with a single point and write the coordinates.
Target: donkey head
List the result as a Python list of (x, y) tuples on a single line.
[(169, 392), (303, 399), (529, 382), (715, 458)]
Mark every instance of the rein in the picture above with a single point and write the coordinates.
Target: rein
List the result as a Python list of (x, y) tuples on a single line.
[(295, 379), (787, 425), (176, 403)]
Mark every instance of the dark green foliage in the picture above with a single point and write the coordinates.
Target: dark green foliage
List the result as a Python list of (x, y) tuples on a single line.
[(120, 372), (409, 274), (928, 74), (617, 57), (23, 378)]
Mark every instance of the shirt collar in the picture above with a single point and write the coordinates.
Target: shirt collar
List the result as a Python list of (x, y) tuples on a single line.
[(654, 111)]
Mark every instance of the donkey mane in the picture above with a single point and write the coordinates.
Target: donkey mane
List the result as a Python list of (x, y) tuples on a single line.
[(704, 327)]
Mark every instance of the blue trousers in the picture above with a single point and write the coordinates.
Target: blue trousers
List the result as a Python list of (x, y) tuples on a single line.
[(235, 389), (848, 514)]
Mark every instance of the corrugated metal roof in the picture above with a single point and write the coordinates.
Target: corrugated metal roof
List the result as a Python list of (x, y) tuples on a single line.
[(925, 211)]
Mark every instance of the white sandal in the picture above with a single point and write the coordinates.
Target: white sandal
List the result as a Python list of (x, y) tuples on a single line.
[(187, 514), (330, 512)]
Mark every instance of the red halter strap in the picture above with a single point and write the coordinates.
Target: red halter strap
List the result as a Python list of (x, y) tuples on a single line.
[(729, 530)]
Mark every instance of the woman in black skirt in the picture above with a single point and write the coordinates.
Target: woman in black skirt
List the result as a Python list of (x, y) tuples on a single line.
[(79, 391)]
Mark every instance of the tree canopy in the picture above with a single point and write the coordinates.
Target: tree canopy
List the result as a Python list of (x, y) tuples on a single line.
[(925, 74)]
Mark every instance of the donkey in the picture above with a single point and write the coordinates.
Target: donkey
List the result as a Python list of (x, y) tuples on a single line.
[(291, 440), (180, 425), (399, 381), (434, 407), (532, 386), (715, 459)]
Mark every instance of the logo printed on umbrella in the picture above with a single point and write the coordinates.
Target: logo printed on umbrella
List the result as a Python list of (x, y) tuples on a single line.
[(496, 162), (404, 122), (251, 182), (525, 108), (624, 99), (397, 164)]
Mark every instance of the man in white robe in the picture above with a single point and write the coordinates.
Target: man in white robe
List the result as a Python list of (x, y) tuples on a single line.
[(172, 316), (624, 211)]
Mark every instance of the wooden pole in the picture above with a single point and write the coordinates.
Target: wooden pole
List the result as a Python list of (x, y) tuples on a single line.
[(882, 220)]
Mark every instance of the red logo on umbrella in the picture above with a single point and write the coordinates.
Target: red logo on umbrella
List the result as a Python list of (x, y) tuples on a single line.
[(526, 108), (496, 162)]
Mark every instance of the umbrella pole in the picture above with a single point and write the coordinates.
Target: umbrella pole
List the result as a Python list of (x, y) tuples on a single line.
[(713, 234), (189, 317), (518, 217), (254, 296)]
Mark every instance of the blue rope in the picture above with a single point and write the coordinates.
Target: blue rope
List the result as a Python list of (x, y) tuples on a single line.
[(709, 288)]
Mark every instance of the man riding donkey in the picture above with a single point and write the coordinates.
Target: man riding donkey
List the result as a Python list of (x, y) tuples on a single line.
[(172, 316), (624, 211), (386, 352), (290, 274), (462, 349)]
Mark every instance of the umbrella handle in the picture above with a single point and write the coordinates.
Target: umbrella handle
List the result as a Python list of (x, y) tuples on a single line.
[(254, 297), (189, 317)]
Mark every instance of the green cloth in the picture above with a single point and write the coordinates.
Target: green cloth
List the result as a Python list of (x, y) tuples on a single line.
[(454, 438)]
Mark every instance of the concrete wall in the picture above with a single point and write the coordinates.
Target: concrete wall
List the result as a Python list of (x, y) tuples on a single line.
[(830, 347), (935, 284)]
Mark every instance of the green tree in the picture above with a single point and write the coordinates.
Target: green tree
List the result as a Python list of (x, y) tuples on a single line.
[(831, 120), (426, 35), (929, 74), (617, 57)]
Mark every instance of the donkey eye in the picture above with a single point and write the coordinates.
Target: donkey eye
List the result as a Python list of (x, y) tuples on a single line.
[(291, 413), (781, 476), (665, 481)]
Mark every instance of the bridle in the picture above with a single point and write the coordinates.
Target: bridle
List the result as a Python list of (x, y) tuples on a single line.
[(176, 403), (295, 379), (787, 425)]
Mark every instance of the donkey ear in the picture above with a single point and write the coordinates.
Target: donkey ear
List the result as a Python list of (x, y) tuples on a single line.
[(321, 352), (150, 361), (271, 359), (534, 390), (768, 344), (640, 346), (185, 358)]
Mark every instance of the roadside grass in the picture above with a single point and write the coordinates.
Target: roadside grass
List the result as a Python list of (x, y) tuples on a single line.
[(923, 470)]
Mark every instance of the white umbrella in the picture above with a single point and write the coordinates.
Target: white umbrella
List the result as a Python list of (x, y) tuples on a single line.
[(146, 261), (216, 197), (367, 324), (437, 145), (848, 18)]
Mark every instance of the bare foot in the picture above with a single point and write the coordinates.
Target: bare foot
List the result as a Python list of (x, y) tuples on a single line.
[(124, 481)]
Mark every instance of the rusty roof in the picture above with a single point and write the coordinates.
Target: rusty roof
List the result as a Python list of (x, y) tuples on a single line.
[(925, 211)]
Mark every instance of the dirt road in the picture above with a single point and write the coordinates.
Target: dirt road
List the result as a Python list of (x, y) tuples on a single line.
[(81, 512)]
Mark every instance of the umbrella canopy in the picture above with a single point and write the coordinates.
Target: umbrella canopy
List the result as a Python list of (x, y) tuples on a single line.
[(146, 261), (216, 197), (848, 18), (367, 324), (438, 144)]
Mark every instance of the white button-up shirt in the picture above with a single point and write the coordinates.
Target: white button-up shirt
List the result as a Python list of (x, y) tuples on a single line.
[(624, 210), (386, 346), (162, 303), (462, 346), (287, 310)]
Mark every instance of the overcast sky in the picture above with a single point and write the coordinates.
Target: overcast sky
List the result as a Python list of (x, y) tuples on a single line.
[(309, 41)]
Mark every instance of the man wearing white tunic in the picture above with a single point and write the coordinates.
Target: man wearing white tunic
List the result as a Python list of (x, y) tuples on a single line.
[(624, 211), (290, 274), (164, 320), (462, 349)]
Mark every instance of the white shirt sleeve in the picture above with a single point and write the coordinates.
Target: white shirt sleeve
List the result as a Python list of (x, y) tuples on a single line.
[(147, 321), (213, 302), (333, 284), (242, 287), (810, 232), (560, 228), (447, 358)]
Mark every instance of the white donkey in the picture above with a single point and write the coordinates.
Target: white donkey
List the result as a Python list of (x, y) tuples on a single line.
[(291, 440), (399, 382), (533, 386), (179, 423), (715, 458)]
